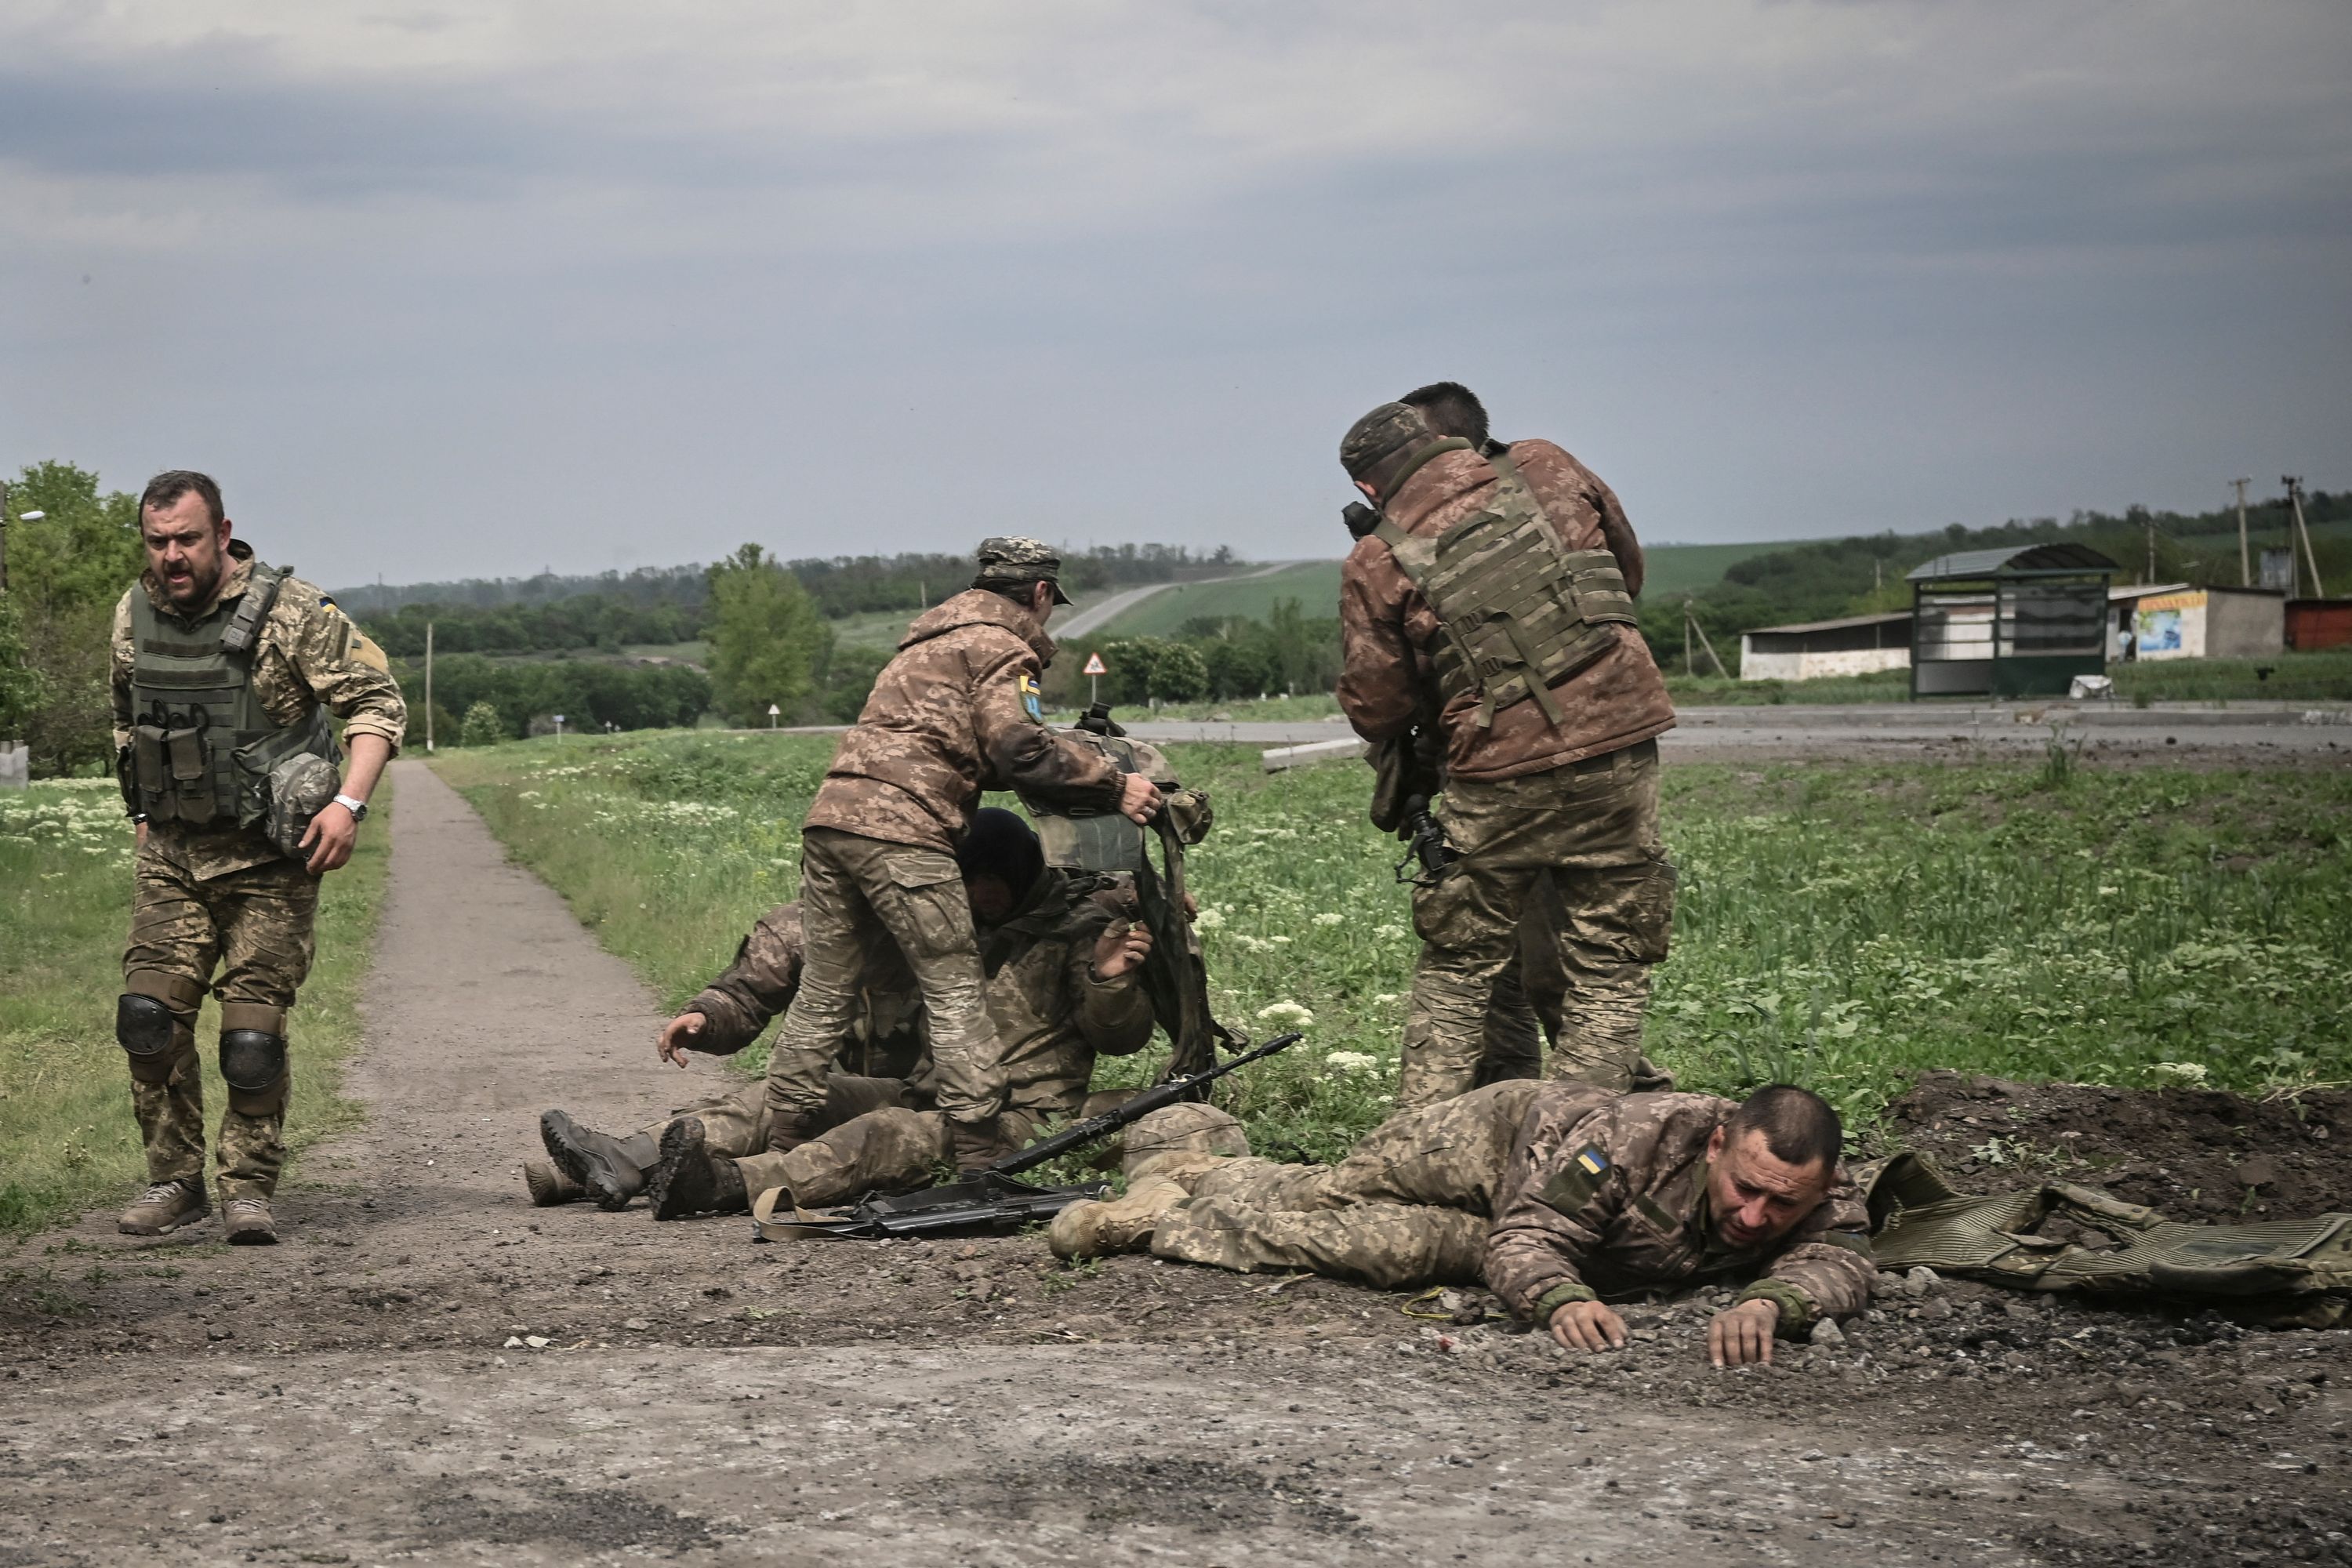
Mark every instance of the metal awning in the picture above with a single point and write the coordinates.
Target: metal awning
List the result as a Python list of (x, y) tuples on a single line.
[(2014, 561), (1886, 618)]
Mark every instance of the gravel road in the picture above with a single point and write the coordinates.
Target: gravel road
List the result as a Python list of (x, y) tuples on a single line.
[(675, 1391)]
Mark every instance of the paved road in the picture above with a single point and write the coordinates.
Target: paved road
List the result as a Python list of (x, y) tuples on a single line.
[(1087, 620)]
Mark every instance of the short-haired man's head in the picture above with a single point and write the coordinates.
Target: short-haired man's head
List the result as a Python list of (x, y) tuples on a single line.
[(1452, 409), (172, 483), (1771, 1163)]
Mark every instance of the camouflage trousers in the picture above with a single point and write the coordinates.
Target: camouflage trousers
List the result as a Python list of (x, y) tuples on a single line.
[(254, 927), (880, 1142), (1409, 1205), (1563, 887), (858, 893)]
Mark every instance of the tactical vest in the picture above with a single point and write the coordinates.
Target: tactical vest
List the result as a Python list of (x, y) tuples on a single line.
[(1521, 614), (1080, 839), (202, 745)]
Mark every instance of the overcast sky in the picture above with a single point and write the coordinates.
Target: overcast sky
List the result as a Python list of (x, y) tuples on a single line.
[(485, 287)]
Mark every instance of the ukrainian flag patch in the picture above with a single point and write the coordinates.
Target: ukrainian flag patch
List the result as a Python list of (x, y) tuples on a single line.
[(1592, 1161), (1032, 699)]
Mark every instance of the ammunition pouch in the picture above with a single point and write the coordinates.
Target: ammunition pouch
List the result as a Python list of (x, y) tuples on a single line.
[(253, 1057), (1189, 815), (1403, 767), (1520, 613)]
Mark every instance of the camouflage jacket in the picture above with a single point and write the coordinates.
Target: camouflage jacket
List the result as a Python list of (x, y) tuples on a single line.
[(1565, 1231), (760, 983), (1053, 1017), (957, 712), (1388, 632), (308, 653)]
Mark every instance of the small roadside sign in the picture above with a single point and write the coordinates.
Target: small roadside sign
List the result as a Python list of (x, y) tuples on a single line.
[(1094, 672), (772, 711), (1095, 665)]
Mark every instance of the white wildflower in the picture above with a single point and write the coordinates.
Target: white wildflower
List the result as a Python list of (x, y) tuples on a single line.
[(1285, 1015), (1211, 919), (1328, 918), (2182, 1072), (1352, 1061)]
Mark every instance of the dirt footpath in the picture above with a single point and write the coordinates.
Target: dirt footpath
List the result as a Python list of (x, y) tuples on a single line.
[(677, 1390)]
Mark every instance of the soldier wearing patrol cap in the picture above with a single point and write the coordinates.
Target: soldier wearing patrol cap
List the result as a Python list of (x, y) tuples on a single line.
[(228, 675), (1489, 595), (956, 712)]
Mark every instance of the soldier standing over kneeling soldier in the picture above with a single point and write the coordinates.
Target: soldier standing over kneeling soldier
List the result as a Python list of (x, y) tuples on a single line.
[(225, 676)]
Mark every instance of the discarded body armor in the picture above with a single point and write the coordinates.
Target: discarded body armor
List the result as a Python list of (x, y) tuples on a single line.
[(2060, 1237)]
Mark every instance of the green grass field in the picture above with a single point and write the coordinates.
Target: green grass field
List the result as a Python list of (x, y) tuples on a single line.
[(1842, 925), (67, 1143), (1314, 583), (1676, 569)]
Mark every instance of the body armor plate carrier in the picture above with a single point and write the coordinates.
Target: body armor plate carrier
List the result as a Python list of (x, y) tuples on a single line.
[(202, 745), (1521, 614)]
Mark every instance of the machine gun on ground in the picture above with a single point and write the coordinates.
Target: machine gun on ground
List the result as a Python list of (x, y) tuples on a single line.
[(991, 1202)]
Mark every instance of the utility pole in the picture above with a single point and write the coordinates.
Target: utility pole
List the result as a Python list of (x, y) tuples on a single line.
[(2151, 548), (1690, 625), (1688, 668), (4, 536), (2293, 484), (428, 691), (2245, 558)]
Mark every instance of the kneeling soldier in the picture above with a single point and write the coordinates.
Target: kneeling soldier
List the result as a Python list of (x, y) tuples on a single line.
[(225, 676)]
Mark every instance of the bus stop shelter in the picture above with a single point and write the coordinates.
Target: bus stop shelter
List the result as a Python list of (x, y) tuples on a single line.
[(2017, 622)]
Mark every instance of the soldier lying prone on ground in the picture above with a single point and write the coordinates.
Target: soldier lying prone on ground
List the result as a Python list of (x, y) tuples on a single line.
[(1591, 1194), (1062, 965)]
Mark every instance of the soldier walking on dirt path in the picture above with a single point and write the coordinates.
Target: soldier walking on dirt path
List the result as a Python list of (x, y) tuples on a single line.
[(1494, 588), (227, 675), (957, 712)]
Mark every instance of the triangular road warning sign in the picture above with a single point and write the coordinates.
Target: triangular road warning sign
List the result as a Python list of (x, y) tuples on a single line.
[(1095, 665)]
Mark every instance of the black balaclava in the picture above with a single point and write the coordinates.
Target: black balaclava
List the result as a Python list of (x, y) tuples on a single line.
[(1001, 844)]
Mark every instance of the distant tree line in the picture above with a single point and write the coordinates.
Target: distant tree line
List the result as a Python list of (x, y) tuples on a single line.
[(1217, 659), (521, 694), (66, 571)]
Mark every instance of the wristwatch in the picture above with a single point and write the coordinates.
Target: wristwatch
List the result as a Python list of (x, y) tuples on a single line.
[(358, 808)]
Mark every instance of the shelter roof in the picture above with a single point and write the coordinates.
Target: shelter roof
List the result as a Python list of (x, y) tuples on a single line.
[(1884, 618), (2012, 561)]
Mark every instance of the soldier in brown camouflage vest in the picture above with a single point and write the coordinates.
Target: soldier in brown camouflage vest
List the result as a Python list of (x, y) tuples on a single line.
[(1549, 706), (225, 676), (1589, 1194), (956, 712)]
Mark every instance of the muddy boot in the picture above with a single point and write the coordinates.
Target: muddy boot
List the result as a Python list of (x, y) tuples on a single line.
[(1124, 1224), (613, 1170), (976, 1145), (690, 1180), (249, 1223), (164, 1208), (549, 1187)]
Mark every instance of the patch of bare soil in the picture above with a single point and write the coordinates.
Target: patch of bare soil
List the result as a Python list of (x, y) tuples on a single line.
[(429, 1370), (2195, 1155)]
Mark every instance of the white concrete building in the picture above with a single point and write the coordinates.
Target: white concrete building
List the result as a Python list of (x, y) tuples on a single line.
[(1852, 645)]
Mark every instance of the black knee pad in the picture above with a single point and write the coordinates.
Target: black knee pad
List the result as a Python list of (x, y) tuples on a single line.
[(251, 1060), (143, 1025)]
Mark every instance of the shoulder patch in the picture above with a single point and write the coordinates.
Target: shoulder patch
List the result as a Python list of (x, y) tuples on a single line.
[(1033, 701), (1592, 1160)]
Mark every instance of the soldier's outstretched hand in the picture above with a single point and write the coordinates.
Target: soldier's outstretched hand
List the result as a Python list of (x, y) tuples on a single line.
[(1588, 1326), (1741, 1335), (1138, 798), (1121, 950), (677, 1037)]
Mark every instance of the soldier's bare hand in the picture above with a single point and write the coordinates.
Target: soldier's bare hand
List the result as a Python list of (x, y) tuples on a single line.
[(677, 1037), (1121, 950), (1588, 1326), (1138, 798), (329, 838), (1742, 1335)]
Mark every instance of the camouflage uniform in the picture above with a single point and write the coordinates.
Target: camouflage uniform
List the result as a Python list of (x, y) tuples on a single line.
[(1605, 1197), (956, 712), (1523, 796), (1407, 1207), (220, 909), (1052, 1018)]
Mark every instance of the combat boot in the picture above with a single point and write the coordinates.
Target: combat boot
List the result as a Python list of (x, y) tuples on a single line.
[(549, 1187), (613, 1170), (249, 1223), (690, 1178), (1123, 1223), (164, 1208)]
